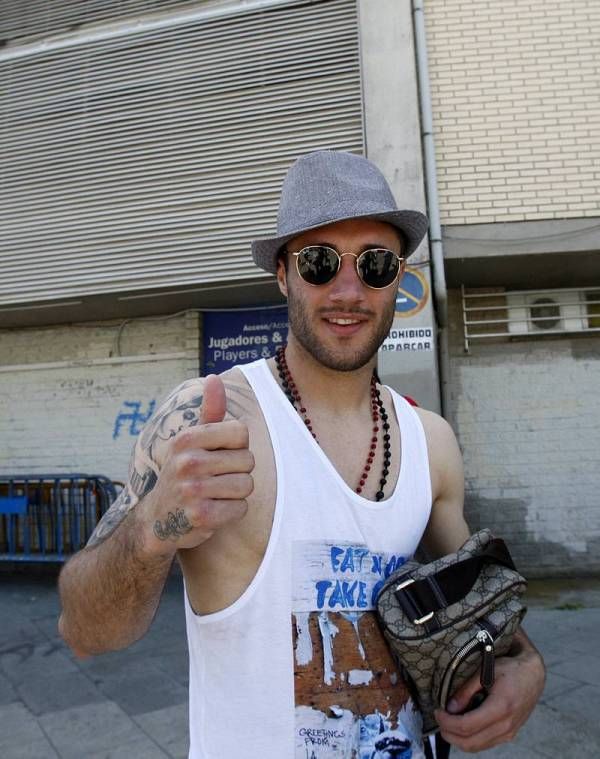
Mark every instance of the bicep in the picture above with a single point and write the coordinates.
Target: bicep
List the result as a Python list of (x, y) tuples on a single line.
[(447, 529)]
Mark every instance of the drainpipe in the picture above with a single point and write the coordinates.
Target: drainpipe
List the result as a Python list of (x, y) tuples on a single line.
[(440, 293)]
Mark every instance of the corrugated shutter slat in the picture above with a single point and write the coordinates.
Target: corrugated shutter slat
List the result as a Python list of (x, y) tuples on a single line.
[(151, 160)]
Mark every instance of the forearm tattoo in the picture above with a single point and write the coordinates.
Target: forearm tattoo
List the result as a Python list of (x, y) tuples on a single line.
[(142, 480), (112, 518), (174, 526)]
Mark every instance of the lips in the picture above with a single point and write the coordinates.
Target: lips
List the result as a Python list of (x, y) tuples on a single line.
[(344, 322), (344, 325)]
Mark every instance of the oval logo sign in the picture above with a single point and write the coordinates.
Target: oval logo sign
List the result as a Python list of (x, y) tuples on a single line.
[(413, 293)]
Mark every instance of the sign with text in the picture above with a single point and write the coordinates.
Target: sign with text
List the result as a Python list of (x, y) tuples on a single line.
[(239, 337)]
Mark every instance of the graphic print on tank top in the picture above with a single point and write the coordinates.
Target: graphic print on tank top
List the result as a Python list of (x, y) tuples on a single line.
[(350, 702)]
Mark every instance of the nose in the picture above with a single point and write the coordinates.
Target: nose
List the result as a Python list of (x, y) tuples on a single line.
[(347, 284)]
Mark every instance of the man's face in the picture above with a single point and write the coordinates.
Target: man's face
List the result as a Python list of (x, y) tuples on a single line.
[(340, 324)]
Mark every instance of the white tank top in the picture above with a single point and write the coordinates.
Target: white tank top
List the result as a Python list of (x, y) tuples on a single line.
[(296, 668)]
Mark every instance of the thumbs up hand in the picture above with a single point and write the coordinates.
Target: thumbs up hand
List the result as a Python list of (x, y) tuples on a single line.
[(204, 481), (214, 401)]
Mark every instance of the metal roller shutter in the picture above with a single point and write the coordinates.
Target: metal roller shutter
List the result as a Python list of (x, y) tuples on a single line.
[(152, 159), (19, 18)]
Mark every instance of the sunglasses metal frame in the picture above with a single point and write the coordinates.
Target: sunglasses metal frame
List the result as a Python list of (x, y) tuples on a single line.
[(357, 257)]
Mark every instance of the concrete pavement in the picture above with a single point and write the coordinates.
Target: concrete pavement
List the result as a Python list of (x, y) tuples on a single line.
[(133, 704)]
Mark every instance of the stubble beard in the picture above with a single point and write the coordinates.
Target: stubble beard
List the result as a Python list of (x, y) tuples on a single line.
[(300, 326)]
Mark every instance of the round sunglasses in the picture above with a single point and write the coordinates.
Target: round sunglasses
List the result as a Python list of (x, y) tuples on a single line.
[(376, 268)]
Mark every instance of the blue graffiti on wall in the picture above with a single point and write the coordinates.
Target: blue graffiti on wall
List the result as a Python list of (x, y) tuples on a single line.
[(131, 416)]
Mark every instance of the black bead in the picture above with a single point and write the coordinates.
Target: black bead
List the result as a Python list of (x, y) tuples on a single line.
[(379, 495)]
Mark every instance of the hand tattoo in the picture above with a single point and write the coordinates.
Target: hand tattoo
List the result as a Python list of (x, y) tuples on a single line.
[(174, 527)]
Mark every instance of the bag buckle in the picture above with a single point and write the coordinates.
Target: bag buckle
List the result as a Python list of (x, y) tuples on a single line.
[(421, 620)]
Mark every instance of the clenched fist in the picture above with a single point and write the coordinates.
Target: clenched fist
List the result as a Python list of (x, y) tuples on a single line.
[(204, 481)]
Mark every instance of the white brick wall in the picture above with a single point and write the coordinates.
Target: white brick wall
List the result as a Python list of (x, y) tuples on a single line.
[(84, 417), (516, 100), (527, 415)]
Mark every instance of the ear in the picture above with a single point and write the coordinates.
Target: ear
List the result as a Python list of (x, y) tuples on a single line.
[(282, 276)]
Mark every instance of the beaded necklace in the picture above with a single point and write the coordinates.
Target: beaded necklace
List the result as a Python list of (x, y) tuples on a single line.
[(377, 412)]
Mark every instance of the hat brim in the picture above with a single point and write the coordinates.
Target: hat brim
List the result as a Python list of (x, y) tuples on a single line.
[(412, 225)]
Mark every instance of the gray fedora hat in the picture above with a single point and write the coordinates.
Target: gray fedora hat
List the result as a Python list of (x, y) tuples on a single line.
[(327, 186)]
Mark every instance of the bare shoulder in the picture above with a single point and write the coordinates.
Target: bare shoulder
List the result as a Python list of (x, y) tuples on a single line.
[(441, 439), (445, 458), (434, 425), (241, 401), (242, 404), (447, 529)]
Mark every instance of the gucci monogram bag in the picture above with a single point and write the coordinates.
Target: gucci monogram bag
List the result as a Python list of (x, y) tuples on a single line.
[(450, 618)]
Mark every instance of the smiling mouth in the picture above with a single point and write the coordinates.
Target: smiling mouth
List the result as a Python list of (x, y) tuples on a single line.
[(344, 322)]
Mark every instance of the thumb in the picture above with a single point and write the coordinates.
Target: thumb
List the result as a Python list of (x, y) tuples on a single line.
[(214, 401), (462, 698)]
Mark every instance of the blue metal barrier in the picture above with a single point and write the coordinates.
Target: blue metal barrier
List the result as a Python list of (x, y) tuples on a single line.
[(48, 517)]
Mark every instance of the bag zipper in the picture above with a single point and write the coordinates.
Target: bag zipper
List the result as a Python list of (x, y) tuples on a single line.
[(484, 640)]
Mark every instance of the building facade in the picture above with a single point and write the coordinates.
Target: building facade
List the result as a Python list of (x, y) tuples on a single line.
[(143, 146), (516, 102)]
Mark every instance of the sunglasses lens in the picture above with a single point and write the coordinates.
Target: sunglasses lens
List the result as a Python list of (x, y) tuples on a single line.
[(378, 267), (317, 264)]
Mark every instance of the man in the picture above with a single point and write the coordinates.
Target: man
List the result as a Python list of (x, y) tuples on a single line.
[(288, 490)]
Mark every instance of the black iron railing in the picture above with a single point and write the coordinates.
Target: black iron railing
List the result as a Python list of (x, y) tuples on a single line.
[(48, 517)]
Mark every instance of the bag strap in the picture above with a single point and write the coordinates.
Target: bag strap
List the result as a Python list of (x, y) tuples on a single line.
[(419, 599)]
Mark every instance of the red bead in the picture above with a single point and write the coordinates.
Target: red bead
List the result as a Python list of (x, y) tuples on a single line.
[(375, 428), (359, 490), (373, 439), (368, 468), (373, 446), (303, 410), (362, 482)]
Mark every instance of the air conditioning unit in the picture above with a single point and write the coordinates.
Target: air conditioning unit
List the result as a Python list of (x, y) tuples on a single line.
[(540, 312)]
